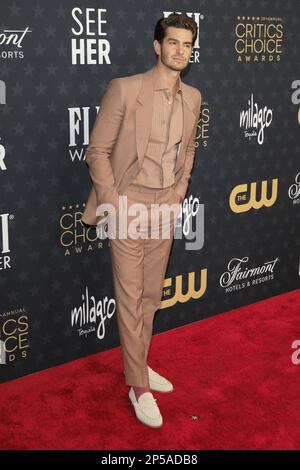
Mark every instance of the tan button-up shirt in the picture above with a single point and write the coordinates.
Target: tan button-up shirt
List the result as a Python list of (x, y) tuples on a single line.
[(166, 131)]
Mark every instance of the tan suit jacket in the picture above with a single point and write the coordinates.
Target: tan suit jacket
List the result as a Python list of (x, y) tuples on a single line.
[(120, 135)]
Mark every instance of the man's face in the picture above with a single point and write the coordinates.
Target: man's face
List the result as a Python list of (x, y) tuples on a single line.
[(176, 48)]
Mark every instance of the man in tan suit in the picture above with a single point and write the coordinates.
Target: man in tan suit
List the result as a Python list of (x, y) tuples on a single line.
[(142, 148)]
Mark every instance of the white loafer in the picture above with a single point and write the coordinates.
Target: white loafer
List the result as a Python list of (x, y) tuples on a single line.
[(146, 409), (159, 383)]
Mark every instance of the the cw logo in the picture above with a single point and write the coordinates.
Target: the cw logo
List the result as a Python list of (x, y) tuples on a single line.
[(191, 293), (241, 201)]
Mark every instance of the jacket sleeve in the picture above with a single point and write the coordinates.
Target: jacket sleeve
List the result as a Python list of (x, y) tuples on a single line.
[(102, 139), (182, 185)]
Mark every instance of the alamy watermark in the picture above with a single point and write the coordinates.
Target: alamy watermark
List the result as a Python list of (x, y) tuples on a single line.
[(295, 358), (2, 353), (161, 220)]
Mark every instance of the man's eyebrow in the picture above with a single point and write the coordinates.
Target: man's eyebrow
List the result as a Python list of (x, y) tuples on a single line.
[(174, 39)]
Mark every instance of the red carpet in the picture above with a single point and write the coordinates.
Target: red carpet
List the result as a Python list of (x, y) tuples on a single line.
[(232, 371)]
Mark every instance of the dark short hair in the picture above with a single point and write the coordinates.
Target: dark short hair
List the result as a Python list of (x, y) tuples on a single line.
[(178, 20)]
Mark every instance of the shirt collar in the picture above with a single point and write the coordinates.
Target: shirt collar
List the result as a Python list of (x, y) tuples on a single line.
[(159, 83)]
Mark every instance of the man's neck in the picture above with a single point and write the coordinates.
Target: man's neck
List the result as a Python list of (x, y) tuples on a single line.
[(170, 77)]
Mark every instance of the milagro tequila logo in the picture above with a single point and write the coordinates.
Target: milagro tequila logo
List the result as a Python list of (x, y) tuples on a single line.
[(254, 120), (238, 276), (92, 315), (191, 223), (294, 190)]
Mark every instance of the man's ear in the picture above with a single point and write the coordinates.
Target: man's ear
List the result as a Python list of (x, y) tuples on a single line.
[(156, 46)]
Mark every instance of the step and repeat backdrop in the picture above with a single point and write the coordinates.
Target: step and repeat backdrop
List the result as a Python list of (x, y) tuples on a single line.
[(57, 300)]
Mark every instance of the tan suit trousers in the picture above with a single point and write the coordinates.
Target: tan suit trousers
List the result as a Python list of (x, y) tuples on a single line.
[(139, 266)]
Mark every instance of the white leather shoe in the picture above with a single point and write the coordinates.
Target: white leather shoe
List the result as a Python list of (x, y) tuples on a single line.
[(146, 409), (159, 383)]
